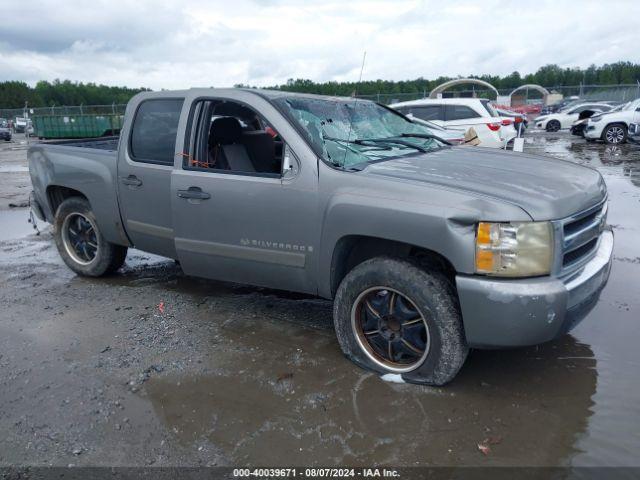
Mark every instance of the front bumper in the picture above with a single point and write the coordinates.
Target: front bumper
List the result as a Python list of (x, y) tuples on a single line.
[(578, 129), (512, 313), (593, 131)]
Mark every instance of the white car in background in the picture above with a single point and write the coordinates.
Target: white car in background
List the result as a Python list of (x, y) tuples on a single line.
[(634, 132), (454, 136), (613, 127), (492, 130), (565, 118)]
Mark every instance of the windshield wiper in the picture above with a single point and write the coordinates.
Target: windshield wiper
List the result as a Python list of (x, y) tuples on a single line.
[(359, 141), (397, 142), (425, 135)]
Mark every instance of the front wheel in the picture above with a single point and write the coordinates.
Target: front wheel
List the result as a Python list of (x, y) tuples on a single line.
[(392, 316), (615, 134), (80, 243), (553, 126)]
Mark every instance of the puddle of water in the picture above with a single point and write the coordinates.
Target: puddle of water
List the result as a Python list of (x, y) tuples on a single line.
[(315, 407), (14, 224)]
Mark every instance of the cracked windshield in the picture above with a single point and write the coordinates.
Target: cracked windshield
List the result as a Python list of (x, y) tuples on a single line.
[(351, 133)]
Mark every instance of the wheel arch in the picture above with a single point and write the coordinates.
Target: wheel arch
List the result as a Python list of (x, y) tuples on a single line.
[(56, 194), (610, 124), (617, 122), (351, 250)]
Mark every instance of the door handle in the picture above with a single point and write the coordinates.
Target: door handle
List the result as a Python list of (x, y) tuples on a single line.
[(194, 193), (131, 180)]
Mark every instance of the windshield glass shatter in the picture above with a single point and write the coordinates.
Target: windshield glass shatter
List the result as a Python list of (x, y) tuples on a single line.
[(352, 132)]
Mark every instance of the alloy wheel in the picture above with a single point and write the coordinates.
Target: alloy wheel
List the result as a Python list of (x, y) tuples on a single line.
[(614, 134), (390, 329), (553, 126), (79, 238)]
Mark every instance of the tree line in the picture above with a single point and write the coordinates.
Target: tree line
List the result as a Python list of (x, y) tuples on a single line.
[(14, 94), (548, 76)]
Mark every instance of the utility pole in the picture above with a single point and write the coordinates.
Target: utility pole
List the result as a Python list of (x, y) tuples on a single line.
[(25, 114)]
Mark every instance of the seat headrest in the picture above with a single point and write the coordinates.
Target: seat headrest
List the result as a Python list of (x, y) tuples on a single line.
[(225, 131)]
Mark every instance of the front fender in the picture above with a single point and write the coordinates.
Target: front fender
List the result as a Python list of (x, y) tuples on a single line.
[(442, 221)]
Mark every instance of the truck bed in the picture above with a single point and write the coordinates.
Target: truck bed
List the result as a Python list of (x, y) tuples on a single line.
[(87, 166), (100, 143)]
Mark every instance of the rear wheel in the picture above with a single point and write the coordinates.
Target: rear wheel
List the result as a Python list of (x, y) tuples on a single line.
[(615, 134), (392, 316), (80, 243), (553, 126)]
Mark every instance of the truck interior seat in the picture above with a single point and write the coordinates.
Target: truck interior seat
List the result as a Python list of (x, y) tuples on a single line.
[(262, 151), (225, 148)]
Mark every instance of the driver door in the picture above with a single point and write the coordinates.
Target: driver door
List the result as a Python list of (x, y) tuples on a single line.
[(245, 226)]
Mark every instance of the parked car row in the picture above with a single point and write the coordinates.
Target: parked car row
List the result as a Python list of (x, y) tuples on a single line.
[(604, 121), (613, 127), (5, 131), (580, 125), (16, 125), (564, 119)]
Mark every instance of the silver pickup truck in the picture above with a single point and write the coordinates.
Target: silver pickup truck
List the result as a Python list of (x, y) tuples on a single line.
[(426, 249)]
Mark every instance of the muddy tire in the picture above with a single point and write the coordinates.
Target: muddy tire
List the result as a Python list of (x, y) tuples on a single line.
[(615, 134), (80, 243), (553, 126), (393, 316)]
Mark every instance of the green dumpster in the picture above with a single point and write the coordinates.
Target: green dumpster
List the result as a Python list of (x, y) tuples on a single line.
[(77, 126)]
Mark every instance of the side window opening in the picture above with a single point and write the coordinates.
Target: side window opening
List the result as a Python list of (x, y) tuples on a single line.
[(429, 112), (460, 112), (154, 131), (232, 138)]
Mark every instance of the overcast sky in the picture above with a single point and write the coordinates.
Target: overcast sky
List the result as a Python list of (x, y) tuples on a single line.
[(180, 44)]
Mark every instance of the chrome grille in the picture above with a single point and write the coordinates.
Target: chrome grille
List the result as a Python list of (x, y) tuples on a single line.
[(580, 235)]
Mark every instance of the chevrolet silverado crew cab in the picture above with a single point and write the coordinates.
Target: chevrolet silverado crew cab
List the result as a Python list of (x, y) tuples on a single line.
[(426, 249)]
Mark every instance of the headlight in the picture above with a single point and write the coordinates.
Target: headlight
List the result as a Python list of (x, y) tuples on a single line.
[(522, 249), (595, 119)]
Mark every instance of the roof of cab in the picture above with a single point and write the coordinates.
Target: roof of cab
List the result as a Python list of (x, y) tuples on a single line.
[(267, 94)]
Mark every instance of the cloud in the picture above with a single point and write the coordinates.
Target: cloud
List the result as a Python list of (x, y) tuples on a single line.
[(162, 44)]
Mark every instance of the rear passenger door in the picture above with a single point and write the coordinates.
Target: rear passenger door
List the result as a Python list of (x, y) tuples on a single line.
[(145, 161)]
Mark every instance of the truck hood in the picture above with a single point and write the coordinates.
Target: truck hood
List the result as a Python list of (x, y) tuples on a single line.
[(546, 188)]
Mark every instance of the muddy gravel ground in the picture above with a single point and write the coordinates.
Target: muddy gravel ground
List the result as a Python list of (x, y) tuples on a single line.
[(149, 367)]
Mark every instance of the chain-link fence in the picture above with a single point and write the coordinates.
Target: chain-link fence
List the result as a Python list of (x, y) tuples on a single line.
[(112, 109), (617, 93)]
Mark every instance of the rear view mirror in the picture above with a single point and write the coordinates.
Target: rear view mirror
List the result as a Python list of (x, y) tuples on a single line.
[(289, 163), (286, 161)]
